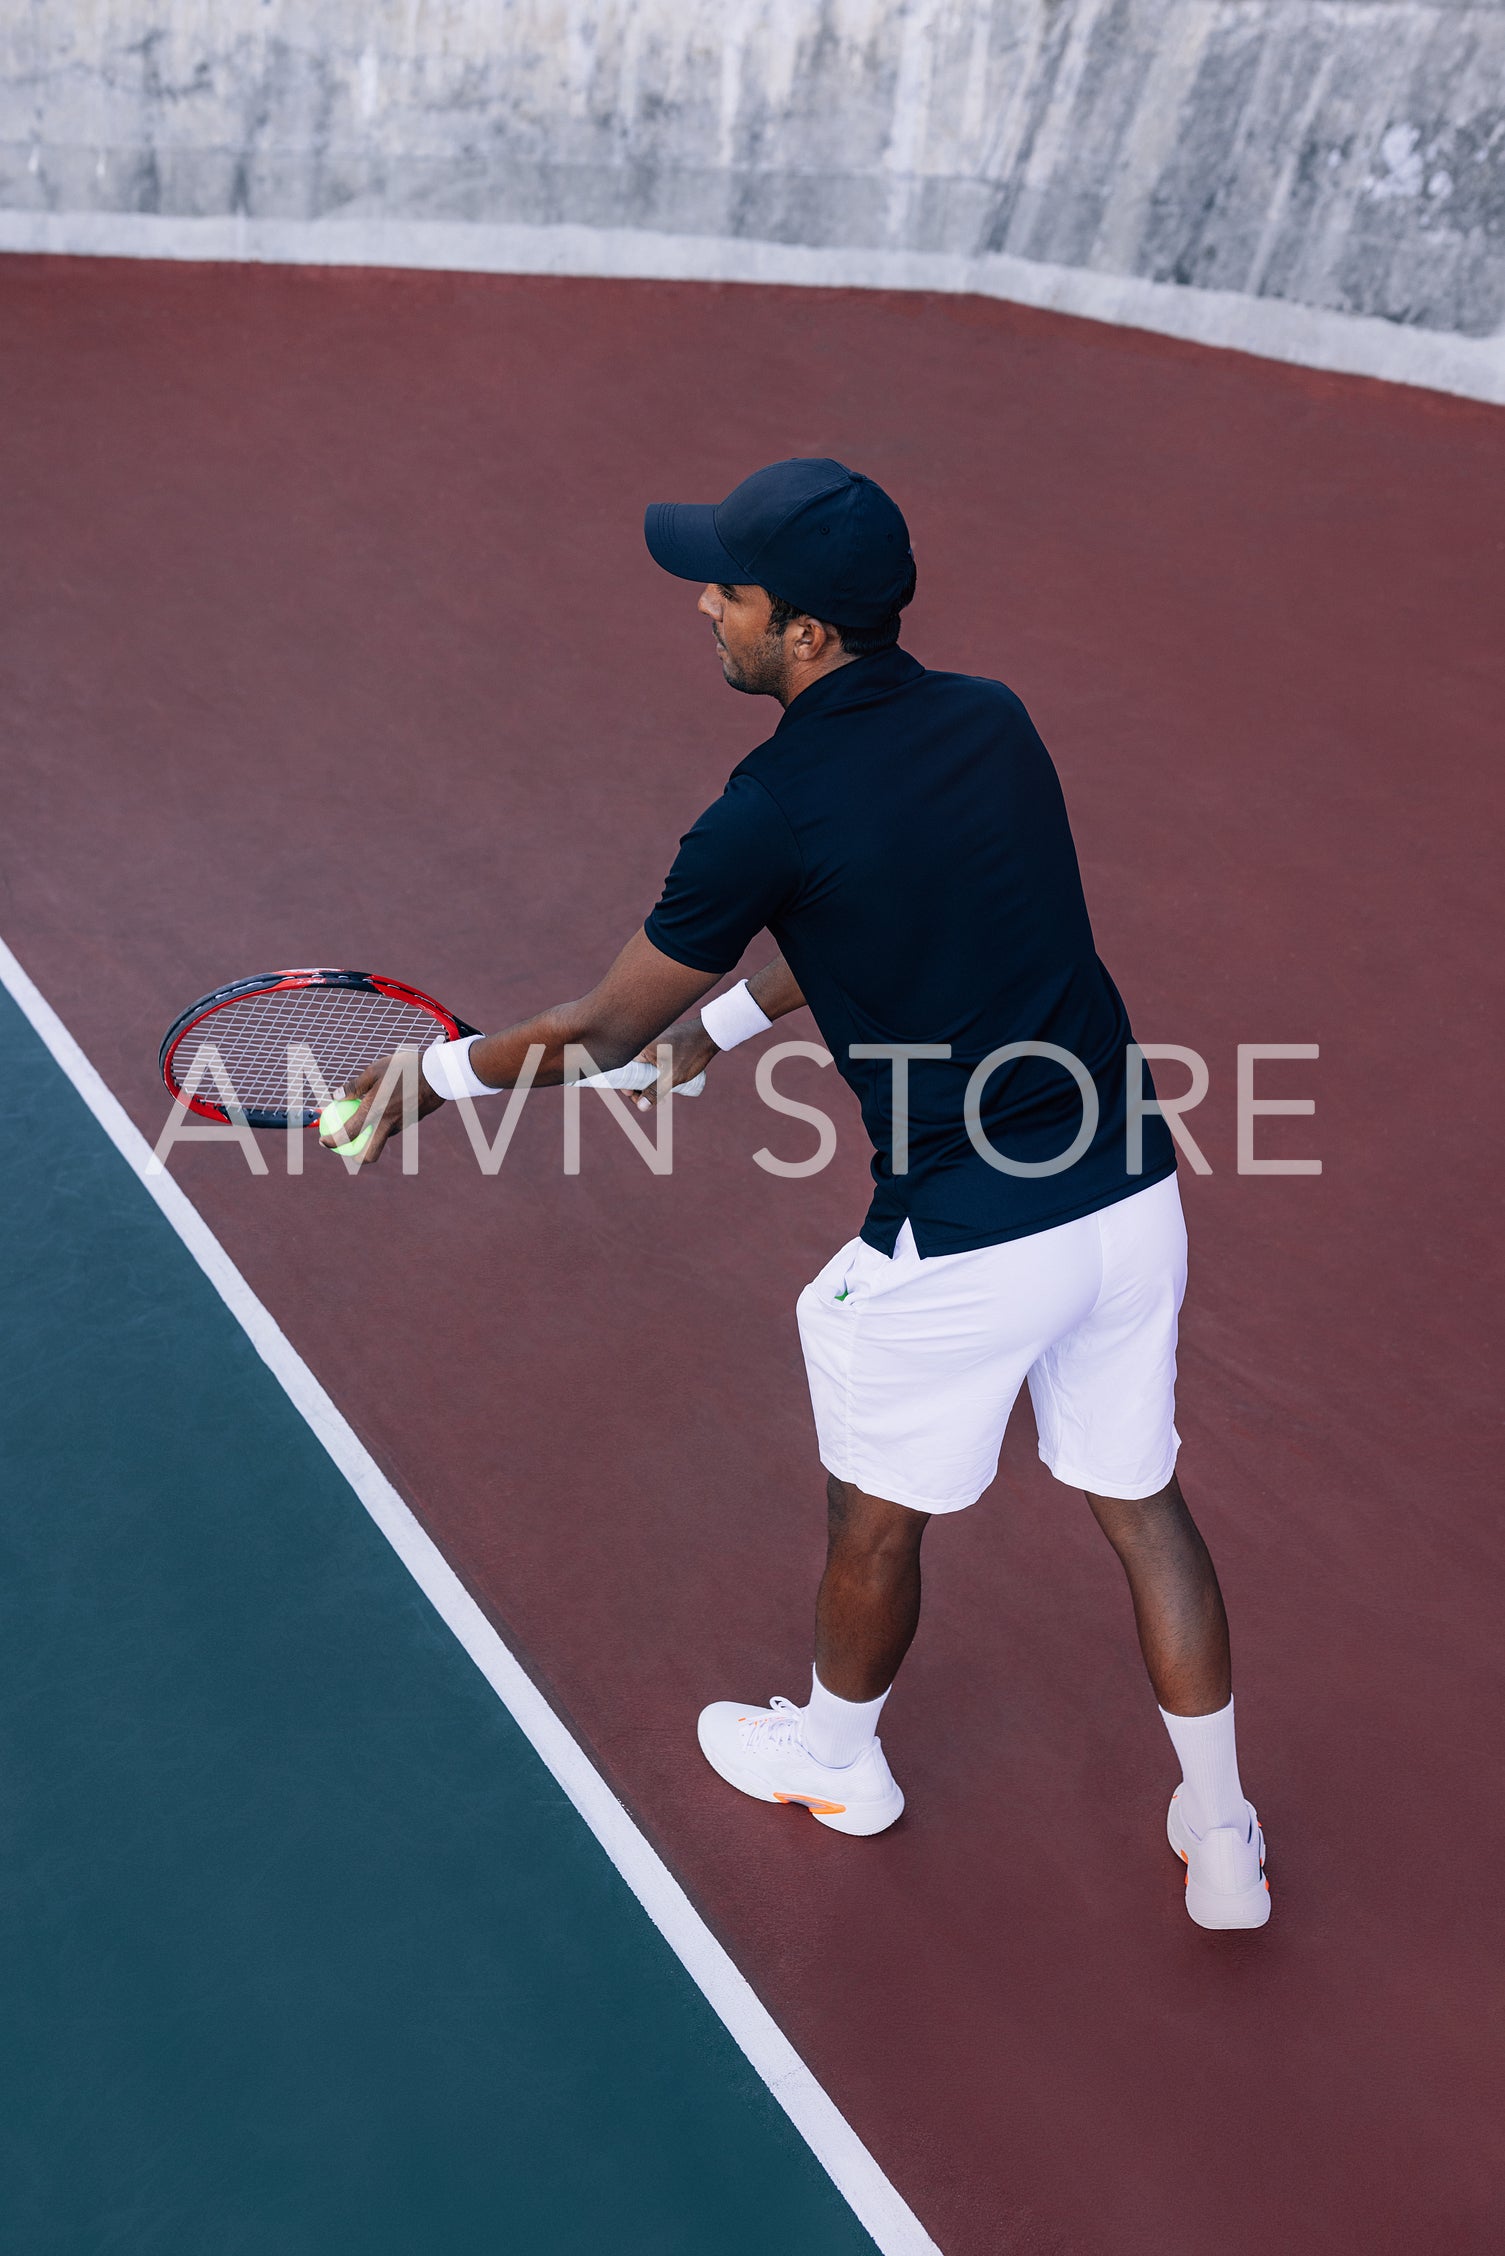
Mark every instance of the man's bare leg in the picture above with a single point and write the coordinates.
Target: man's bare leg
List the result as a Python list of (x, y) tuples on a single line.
[(1183, 1634), (869, 1601), (826, 1755), (1178, 1607)]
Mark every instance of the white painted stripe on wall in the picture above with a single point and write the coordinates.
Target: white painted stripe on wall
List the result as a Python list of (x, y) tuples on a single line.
[(1273, 328), (890, 2221)]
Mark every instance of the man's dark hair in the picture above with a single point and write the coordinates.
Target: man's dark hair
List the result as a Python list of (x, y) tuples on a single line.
[(857, 642)]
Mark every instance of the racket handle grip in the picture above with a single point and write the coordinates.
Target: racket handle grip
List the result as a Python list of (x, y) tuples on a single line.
[(639, 1074)]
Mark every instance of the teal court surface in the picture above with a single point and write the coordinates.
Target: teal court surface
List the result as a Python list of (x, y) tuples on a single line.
[(302, 1947)]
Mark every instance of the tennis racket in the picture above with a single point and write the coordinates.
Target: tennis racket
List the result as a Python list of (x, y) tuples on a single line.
[(347, 1019)]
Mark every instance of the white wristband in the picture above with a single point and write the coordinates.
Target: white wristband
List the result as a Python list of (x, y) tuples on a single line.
[(447, 1070), (734, 1017)]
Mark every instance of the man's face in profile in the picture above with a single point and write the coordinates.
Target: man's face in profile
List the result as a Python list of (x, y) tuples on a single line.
[(752, 658)]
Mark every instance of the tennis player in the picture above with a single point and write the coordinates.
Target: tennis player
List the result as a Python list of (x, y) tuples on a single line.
[(903, 838)]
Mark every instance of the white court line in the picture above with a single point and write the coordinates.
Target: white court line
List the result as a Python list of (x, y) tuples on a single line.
[(820, 2123)]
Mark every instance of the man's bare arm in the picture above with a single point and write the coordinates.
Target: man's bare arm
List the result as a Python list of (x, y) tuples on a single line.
[(775, 989), (640, 995), (643, 992), (776, 992)]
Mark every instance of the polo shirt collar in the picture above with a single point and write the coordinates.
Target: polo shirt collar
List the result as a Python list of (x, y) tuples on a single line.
[(861, 683)]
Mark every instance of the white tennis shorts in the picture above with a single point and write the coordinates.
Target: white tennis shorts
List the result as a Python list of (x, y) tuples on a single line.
[(914, 1365)]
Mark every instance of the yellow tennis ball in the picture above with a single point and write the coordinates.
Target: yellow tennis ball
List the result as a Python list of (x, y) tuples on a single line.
[(335, 1116)]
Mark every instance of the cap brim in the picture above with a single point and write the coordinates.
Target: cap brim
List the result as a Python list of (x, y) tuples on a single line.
[(681, 536)]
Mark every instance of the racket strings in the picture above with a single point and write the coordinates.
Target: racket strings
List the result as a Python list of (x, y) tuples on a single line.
[(344, 1028)]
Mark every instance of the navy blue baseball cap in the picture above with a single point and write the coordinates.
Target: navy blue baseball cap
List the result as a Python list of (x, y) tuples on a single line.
[(811, 531)]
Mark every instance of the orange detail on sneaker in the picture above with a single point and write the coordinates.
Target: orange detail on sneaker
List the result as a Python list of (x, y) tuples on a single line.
[(1225, 1880), (762, 1752)]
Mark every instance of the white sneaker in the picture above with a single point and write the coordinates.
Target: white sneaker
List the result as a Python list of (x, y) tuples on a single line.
[(761, 1751), (1225, 1869)]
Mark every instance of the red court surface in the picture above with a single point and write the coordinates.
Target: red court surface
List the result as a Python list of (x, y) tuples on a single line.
[(329, 636)]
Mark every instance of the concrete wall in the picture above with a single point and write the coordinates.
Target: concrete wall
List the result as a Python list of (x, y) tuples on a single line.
[(1321, 152)]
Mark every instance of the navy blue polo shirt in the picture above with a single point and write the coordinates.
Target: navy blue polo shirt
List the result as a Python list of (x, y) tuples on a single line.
[(903, 837)]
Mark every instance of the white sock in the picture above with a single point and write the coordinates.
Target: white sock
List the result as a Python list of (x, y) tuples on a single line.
[(838, 1731), (1209, 1768)]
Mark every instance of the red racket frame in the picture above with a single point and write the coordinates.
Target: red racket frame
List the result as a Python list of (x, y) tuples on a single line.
[(272, 983)]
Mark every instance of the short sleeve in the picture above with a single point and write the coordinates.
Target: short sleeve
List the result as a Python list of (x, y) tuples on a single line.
[(733, 873)]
